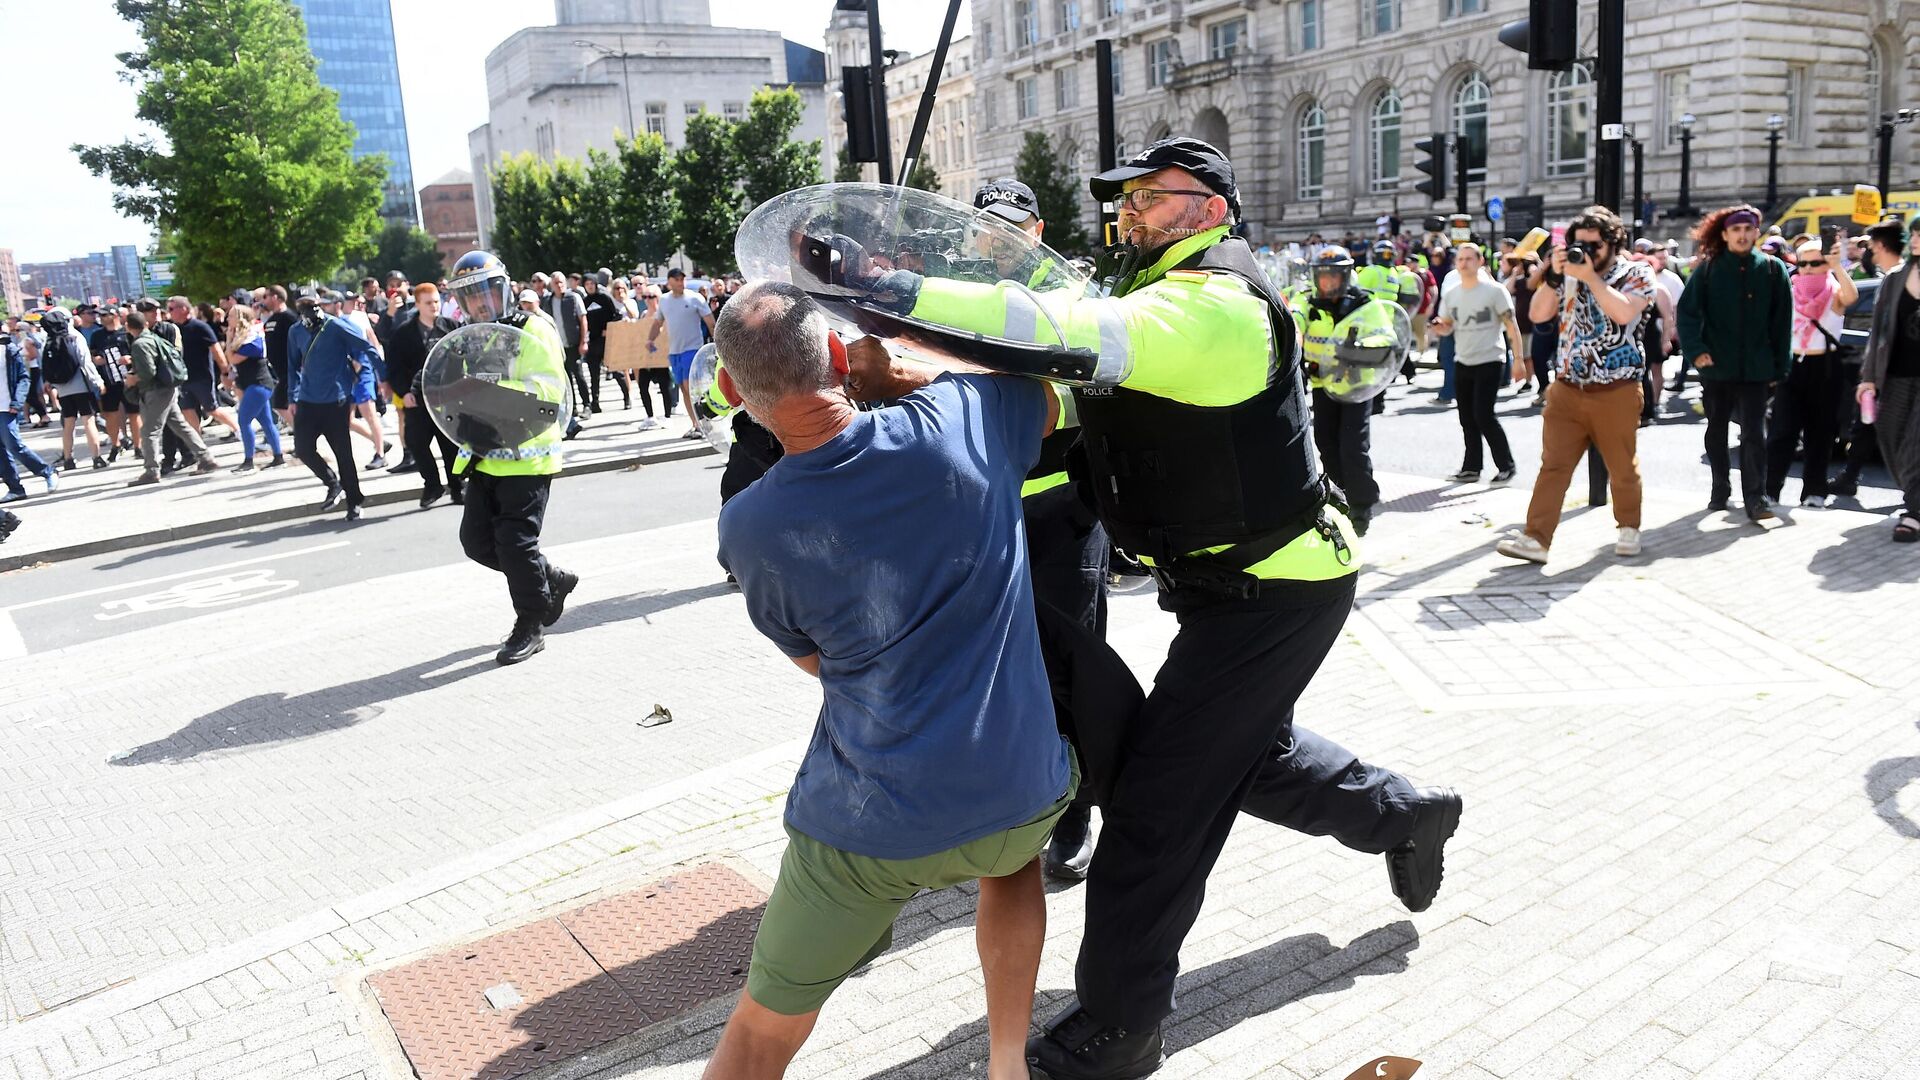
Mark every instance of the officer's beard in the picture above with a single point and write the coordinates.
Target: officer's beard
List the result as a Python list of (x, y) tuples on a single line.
[(1154, 238)]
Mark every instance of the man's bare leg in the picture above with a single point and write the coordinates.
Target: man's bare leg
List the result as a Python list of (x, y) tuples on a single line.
[(759, 1043), (1009, 930), (686, 402)]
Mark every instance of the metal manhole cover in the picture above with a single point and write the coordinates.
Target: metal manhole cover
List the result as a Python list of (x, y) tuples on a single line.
[(1522, 646), (528, 998)]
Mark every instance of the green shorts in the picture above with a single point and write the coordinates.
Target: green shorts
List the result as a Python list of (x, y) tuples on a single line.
[(832, 911)]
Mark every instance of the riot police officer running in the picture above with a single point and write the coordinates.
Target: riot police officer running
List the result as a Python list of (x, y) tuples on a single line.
[(1344, 322), (1194, 419), (507, 485)]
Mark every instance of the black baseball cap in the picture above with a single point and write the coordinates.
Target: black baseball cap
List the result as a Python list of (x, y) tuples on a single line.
[(1007, 198), (1207, 164)]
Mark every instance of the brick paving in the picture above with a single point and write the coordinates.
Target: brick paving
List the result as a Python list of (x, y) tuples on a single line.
[(1705, 862)]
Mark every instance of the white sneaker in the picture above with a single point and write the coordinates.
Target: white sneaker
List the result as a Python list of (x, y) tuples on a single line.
[(1522, 547), (1816, 502), (649, 424), (1628, 543)]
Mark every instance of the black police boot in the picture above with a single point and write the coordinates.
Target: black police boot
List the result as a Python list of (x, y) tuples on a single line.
[(1414, 868), (1071, 849), (1076, 1047), (559, 584), (525, 640)]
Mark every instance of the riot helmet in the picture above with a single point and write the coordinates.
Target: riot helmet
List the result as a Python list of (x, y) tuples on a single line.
[(1334, 262), (1384, 253), (480, 285)]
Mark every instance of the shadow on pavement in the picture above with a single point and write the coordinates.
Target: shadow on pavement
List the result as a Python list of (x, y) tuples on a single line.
[(265, 719), (1865, 558), (1252, 985), (1885, 781)]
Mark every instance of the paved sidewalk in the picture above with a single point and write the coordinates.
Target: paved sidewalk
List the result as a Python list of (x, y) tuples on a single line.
[(93, 511), (1691, 847)]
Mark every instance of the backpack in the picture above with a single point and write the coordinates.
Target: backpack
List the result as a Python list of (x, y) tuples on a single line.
[(57, 361), (168, 368)]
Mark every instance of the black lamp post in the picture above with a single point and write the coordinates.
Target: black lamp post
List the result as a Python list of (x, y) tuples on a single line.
[(1685, 207), (1885, 131), (1775, 123)]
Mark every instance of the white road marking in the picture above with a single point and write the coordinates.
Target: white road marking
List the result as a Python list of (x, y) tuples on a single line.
[(172, 577), (12, 646), (209, 592)]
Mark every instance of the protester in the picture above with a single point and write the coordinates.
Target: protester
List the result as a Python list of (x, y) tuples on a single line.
[(687, 320), (67, 366), (247, 345), (602, 309), (1736, 322), (648, 379), (158, 371), (109, 346), (278, 321), (206, 362), (1806, 404), (409, 344), (37, 393), (1598, 298), (1478, 315), (1889, 390), (18, 387), (566, 304), (936, 759), (325, 355)]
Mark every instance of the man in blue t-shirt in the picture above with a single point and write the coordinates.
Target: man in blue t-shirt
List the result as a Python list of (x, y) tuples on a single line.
[(885, 554), (683, 314)]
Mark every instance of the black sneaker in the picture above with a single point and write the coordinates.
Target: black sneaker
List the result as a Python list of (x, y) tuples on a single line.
[(1466, 476), (353, 512), (68, 465), (406, 462), (126, 442), (334, 495), (1718, 502), (1844, 484), (428, 498), (99, 462), (1075, 1046), (524, 641), (246, 466), (275, 463), (559, 585), (1414, 869), (1503, 476)]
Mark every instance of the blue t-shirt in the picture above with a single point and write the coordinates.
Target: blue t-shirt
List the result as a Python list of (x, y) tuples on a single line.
[(897, 551)]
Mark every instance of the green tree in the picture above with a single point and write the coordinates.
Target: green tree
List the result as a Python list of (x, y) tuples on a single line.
[(707, 186), (845, 169), (401, 247), (770, 161), (1055, 191), (520, 196), (644, 203), (254, 174), (924, 177)]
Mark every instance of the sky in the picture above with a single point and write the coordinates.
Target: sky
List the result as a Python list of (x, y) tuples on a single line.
[(52, 208)]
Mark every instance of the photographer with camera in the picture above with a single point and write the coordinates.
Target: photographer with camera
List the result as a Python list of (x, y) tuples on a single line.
[(1598, 299), (1736, 325)]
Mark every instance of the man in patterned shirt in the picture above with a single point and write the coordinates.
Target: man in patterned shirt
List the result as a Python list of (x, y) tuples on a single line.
[(1598, 298)]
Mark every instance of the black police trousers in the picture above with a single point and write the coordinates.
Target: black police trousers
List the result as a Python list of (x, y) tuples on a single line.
[(1067, 559), (753, 452), (501, 531), (1216, 737), (1344, 435)]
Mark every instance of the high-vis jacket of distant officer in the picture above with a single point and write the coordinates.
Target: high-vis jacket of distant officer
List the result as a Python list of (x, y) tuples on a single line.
[(1333, 331), (1196, 433)]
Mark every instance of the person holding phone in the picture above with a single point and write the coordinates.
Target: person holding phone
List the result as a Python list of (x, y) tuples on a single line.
[(1889, 390)]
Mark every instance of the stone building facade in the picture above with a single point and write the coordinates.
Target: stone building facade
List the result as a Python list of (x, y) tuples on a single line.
[(1319, 102), (629, 65), (447, 214)]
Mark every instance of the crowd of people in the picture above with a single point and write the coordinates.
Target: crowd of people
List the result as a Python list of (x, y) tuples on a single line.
[(157, 380)]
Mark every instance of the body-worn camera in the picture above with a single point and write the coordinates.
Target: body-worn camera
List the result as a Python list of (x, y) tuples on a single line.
[(1577, 252)]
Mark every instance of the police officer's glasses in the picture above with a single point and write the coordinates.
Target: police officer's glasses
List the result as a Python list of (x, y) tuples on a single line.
[(1139, 199)]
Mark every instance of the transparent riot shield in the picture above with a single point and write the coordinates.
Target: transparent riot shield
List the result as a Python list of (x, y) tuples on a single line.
[(492, 387), (1364, 367), (714, 421), (865, 251)]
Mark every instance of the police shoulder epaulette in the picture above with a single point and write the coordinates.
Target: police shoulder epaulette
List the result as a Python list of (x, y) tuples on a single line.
[(1196, 276)]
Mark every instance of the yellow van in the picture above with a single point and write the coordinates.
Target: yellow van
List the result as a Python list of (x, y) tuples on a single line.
[(1814, 212)]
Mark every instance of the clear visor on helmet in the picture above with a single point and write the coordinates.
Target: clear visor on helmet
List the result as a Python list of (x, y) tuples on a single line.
[(482, 296)]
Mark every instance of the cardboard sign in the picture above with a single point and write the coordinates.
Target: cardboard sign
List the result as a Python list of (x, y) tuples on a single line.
[(1866, 205), (627, 346)]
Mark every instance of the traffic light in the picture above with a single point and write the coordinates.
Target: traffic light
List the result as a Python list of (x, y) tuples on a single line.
[(1549, 35), (1433, 162), (856, 92)]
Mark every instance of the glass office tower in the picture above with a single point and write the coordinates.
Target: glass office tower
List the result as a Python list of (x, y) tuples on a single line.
[(352, 41)]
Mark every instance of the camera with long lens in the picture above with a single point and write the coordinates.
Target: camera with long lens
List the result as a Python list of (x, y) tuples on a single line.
[(1578, 252)]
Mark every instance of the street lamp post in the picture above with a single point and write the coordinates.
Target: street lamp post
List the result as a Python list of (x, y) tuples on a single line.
[(626, 77), (1885, 131), (1774, 125), (1686, 207)]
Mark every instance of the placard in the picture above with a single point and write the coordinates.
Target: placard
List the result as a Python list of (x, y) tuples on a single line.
[(627, 346)]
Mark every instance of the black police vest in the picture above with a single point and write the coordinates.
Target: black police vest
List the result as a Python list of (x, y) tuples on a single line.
[(1170, 478)]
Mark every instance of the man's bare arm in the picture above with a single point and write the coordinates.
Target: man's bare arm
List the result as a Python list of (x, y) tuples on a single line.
[(809, 663)]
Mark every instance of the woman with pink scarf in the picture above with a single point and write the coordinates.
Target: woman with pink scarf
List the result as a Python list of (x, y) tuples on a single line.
[(1806, 405)]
